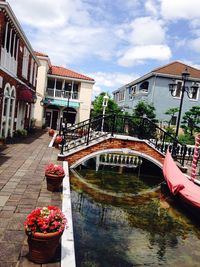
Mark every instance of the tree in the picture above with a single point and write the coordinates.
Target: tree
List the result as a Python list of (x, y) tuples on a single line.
[(144, 110), (191, 121), (98, 109)]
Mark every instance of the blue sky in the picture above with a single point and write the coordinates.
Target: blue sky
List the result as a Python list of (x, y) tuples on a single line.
[(113, 42)]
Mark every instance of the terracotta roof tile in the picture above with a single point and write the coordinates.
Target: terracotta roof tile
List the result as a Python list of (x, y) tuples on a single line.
[(60, 71), (39, 54), (176, 68)]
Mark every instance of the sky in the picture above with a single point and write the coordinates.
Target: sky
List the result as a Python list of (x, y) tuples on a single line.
[(112, 41)]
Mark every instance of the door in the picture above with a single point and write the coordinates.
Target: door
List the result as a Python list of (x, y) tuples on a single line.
[(48, 119), (54, 119)]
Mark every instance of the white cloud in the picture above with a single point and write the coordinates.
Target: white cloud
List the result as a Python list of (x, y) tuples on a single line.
[(65, 30), (180, 9), (195, 44), (50, 14), (138, 54), (146, 31), (110, 81), (151, 7)]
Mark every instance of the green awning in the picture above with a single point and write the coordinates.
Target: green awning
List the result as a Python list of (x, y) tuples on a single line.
[(61, 103)]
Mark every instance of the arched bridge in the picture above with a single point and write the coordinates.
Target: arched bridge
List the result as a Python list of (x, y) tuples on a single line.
[(114, 144), (139, 136)]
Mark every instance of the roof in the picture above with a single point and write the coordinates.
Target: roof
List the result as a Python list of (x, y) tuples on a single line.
[(60, 71), (39, 54), (176, 68)]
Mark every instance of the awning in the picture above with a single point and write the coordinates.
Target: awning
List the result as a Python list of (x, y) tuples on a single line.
[(25, 94), (61, 103)]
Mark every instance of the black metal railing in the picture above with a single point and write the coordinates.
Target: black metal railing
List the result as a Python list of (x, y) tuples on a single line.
[(98, 128)]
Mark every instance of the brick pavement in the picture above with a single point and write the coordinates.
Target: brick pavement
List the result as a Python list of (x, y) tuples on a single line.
[(22, 189)]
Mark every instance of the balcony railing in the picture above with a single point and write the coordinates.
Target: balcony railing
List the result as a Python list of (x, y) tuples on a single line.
[(8, 62), (61, 94)]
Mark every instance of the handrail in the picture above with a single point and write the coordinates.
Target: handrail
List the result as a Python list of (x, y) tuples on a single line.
[(89, 130)]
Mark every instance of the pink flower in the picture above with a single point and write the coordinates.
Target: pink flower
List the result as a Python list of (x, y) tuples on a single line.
[(54, 169), (45, 220)]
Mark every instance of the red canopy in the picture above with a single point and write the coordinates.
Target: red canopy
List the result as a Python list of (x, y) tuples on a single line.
[(25, 94)]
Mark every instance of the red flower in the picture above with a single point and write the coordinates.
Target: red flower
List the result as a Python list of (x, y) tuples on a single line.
[(54, 169), (45, 220), (58, 139)]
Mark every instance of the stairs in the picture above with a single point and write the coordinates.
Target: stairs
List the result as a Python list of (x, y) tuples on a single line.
[(83, 141)]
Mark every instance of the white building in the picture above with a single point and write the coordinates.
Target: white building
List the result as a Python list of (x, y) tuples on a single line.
[(61, 93)]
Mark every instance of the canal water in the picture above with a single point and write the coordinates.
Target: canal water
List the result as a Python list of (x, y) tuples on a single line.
[(124, 220)]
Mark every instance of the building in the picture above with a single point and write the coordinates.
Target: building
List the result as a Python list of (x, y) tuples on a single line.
[(18, 74), (153, 88), (62, 95)]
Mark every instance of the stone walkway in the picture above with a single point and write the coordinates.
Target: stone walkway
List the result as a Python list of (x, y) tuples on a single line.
[(22, 189)]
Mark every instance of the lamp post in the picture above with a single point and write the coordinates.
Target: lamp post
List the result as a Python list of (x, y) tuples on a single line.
[(104, 105), (189, 90)]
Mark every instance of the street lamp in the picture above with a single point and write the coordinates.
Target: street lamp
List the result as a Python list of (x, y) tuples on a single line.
[(189, 90), (104, 105)]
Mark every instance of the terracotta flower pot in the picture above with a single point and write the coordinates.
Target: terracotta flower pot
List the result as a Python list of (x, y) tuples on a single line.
[(54, 182), (42, 247), (51, 132)]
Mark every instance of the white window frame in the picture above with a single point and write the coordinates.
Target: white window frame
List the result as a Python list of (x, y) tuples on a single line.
[(35, 73), (31, 71), (175, 96), (25, 63), (197, 96), (132, 91)]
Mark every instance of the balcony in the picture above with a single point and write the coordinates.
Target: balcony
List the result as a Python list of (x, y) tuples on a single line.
[(8, 61), (61, 94)]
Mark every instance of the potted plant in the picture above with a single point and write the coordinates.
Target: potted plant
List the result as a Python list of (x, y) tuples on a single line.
[(54, 176), (58, 140), (51, 132), (44, 228)]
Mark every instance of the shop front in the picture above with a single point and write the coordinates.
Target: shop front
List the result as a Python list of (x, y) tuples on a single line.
[(57, 110)]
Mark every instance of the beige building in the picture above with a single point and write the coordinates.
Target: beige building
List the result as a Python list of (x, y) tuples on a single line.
[(62, 95)]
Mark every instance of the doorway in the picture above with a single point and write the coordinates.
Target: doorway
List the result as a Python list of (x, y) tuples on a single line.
[(51, 118)]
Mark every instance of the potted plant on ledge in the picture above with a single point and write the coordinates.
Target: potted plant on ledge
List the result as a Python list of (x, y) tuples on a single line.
[(58, 140), (51, 132), (44, 228), (54, 176)]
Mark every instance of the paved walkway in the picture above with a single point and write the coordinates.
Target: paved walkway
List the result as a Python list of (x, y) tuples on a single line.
[(22, 189)]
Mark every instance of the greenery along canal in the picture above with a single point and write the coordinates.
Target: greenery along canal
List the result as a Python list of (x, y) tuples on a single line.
[(117, 224)]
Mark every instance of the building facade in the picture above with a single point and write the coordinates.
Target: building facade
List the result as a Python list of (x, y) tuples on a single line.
[(62, 95), (18, 74), (153, 88)]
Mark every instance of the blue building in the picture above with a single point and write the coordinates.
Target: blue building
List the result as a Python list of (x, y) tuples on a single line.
[(153, 88)]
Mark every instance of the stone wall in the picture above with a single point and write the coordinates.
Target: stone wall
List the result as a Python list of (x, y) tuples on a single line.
[(112, 143)]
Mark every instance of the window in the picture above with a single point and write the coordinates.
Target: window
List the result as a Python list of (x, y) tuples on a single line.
[(35, 74), (59, 85), (173, 120), (132, 91), (116, 96), (31, 72), (50, 83), (144, 86), (25, 63), (121, 95), (195, 93), (178, 89)]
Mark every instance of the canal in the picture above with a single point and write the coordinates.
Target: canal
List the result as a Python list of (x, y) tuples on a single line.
[(124, 219)]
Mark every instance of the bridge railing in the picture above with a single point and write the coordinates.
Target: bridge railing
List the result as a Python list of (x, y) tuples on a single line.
[(93, 129)]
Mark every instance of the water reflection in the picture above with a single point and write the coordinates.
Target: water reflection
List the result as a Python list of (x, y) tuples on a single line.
[(151, 232)]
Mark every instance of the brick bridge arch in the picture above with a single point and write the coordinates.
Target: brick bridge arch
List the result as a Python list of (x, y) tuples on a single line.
[(137, 147)]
